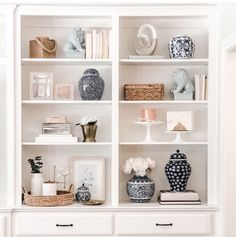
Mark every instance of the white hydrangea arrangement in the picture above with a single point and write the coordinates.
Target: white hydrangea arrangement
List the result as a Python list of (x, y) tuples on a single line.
[(138, 165), (88, 121)]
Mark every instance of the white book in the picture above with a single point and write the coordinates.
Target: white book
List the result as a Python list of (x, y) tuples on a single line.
[(53, 139), (197, 86), (198, 202), (206, 89), (89, 46), (189, 195), (203, 86), (146, 57), (97, 45), (105, 46), (55, 136), (110, 44), (94, 42), (100, 45)]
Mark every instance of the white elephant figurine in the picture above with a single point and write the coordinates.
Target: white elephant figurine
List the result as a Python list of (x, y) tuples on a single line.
[(75, 44), (182, 82)]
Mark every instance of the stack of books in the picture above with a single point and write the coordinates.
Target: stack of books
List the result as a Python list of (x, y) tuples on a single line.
[(189, 197), (98, 42), (200, 87), (56, 130)]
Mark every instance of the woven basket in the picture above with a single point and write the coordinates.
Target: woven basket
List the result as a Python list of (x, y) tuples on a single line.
[(42, 47), (143, 91), (62, 198)]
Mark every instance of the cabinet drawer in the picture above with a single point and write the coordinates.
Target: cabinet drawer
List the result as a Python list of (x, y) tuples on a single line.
[(71, 224), (147, 224)]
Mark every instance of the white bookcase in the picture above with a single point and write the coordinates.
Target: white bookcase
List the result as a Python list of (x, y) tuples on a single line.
[(117, 137)]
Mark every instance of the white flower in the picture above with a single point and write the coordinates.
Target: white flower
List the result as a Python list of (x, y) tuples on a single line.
[(138, 165), (85, 120), (151, 163)]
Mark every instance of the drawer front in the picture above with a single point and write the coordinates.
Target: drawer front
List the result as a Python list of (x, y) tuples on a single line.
[(71, 224), (163, 224), (2, 226)]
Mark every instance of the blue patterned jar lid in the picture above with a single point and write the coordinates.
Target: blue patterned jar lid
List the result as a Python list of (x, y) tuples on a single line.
[(178, 156), (91, 71), (83, 189)]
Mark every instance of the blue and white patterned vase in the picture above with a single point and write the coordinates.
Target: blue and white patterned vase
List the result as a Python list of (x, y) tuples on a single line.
[(178, 171), (82, 194), (140, 189), (91, 85), (181, 47)]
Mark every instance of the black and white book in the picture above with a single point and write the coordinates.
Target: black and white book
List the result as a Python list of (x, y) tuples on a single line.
[(189, 195)]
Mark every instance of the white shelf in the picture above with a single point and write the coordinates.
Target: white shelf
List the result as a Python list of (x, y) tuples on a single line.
[(168, 102), (65, 61), (3, 61), (165, 62), (163, 143), (87, 102), (67, 144)]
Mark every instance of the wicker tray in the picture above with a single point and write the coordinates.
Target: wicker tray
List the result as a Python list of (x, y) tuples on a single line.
[(143, 91), (62, 198)]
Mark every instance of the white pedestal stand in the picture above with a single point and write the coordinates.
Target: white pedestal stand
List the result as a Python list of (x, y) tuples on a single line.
[(178, 138), (148, 125)]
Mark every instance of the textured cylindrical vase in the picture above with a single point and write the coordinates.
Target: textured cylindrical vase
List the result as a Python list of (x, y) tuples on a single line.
[(148, 114), (49, 189), (89, 132), (91, 85), (36, 184), (140, 189), (178, 171), (181, 47)]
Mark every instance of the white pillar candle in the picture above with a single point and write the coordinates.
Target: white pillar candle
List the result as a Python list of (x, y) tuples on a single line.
[(49, 189)]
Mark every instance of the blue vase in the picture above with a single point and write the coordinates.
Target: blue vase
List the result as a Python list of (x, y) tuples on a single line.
[(91, 85), (140, 189), (178, 171)]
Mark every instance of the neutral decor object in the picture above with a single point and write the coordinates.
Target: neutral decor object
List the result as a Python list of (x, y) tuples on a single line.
[(41, 86), (37, 178), (49, 188), (179, 120), (183, 88), (178, 171), (91, 173), (91, 85), (42, 47), (82, 194), (145, 41), (64, 91), (62, 198), (143, 91), (89, 128), (140, 188), (181, 47), (75, 44)]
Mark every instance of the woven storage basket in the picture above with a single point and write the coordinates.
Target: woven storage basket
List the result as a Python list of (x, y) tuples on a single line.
[(143, 91), (61, 199), (42, 47)]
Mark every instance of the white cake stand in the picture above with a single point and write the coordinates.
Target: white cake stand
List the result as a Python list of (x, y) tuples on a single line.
[(178, 138), (148, 125)]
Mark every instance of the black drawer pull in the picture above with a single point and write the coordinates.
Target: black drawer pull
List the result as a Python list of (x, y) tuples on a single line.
[(167, 224), (70, 225)]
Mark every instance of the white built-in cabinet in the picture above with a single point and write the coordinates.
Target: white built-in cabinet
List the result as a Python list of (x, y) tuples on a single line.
[(117, 137)]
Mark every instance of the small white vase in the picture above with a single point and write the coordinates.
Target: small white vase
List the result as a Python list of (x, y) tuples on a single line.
[(36, 184), (49, 189)]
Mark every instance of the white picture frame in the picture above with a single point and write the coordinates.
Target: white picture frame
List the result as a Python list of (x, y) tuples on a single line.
[(41, 86), (182, 118), (91, 172), (64, 91)]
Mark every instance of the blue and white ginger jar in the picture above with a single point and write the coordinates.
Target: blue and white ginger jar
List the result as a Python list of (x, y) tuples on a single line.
[(178, 171), (140, 189), (91, 85), (82, 194), (181, 47)]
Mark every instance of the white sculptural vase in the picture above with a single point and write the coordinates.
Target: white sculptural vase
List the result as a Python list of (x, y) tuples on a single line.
[(36, 184)]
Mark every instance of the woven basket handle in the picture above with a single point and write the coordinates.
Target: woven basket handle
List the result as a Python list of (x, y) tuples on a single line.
[(24, 190), (71, 188), (44, 48)]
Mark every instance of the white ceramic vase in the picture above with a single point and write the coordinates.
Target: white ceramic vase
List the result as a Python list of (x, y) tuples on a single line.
[(36, 184)]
